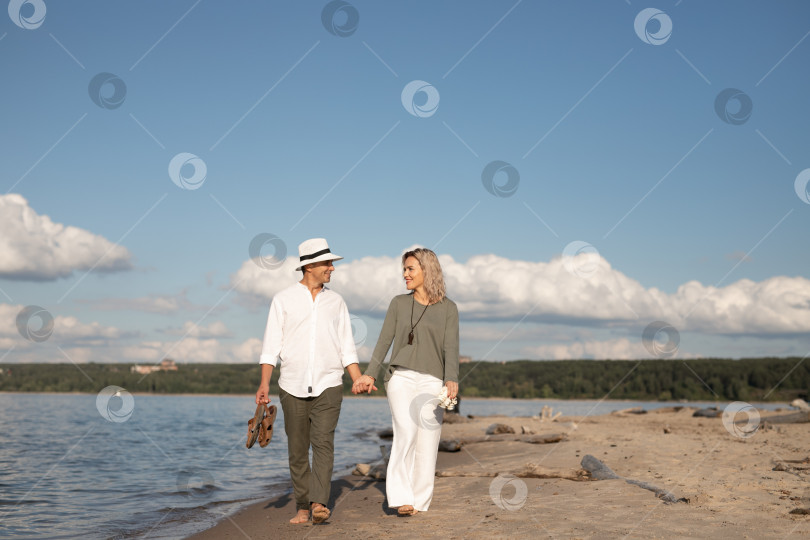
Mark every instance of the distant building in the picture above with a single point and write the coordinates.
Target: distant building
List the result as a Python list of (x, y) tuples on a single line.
[(165, 365), (168, 365), (464, 359)]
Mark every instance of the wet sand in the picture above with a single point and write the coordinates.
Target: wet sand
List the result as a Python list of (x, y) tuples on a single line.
[(727, 484)]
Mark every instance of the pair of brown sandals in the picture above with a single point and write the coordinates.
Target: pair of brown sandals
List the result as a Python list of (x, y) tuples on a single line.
[(260, 427)]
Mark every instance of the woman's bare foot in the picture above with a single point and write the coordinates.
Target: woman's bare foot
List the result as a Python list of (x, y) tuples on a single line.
[(407, 510), (301, 517)]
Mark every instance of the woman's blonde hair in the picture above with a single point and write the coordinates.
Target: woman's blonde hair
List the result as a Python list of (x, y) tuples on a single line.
[(434, 279)]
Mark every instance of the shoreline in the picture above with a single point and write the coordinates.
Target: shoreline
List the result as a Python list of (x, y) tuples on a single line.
[(684, 403), (727, 485)]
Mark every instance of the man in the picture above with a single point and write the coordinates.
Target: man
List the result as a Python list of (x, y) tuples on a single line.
[(309, 332)]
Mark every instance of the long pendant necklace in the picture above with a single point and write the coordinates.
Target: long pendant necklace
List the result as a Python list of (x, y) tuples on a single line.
[(410, 335)]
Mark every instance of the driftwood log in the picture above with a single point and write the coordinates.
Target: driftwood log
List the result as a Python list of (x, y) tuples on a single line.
[(547, 414), (530, 470), (454, 445), (497, 429), (455, 419), (600, 471), (801, 417), (799, 467), (800, 404), (374, 470), (597, 469), (631, 410)]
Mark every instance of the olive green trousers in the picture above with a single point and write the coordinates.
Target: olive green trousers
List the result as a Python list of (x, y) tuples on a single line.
[(310, 422)]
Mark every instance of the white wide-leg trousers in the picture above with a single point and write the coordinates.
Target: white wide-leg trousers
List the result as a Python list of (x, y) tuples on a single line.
[(417, 422)]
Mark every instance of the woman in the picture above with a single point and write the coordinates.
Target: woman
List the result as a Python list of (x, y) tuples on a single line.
[(423, 326)]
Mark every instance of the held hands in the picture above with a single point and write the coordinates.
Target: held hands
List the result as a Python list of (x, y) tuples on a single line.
[(364, 383)]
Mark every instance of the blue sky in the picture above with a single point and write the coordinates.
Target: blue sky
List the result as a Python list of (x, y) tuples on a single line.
[(614, 134)]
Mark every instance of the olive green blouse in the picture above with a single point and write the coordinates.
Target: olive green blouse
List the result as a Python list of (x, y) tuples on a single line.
[(435, 343)]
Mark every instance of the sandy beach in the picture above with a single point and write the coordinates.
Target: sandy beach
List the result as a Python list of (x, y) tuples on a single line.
[(727, 485)]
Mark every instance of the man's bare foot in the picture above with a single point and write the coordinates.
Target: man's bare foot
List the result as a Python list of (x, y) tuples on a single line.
[(301, 517), (320, 513)]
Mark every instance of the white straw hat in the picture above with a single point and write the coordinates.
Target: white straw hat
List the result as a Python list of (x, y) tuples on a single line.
[(315, 250)]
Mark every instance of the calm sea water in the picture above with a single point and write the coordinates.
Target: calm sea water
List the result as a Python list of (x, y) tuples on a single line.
[(175, 465)]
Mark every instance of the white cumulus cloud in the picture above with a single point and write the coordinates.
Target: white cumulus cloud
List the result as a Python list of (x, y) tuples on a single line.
[(216, 329), (67, 332), (583, 291), (76, 341), (65, 328), (34, 248), (194, 350)]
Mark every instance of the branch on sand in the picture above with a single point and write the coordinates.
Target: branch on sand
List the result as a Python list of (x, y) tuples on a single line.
[(801, 417), (600, 471), (454, 445), (530, 470)]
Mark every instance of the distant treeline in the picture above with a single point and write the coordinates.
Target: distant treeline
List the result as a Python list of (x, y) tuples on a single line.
[(753, 379)]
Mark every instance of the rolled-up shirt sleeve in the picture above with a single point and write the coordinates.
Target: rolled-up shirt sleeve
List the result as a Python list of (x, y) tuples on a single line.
[(273, 335), (348, 352)]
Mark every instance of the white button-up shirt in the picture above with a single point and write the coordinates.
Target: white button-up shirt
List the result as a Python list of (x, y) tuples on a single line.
[(311, 338)]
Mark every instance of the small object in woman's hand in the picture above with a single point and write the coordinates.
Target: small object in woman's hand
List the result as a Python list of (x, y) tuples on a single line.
[(445, 402)]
